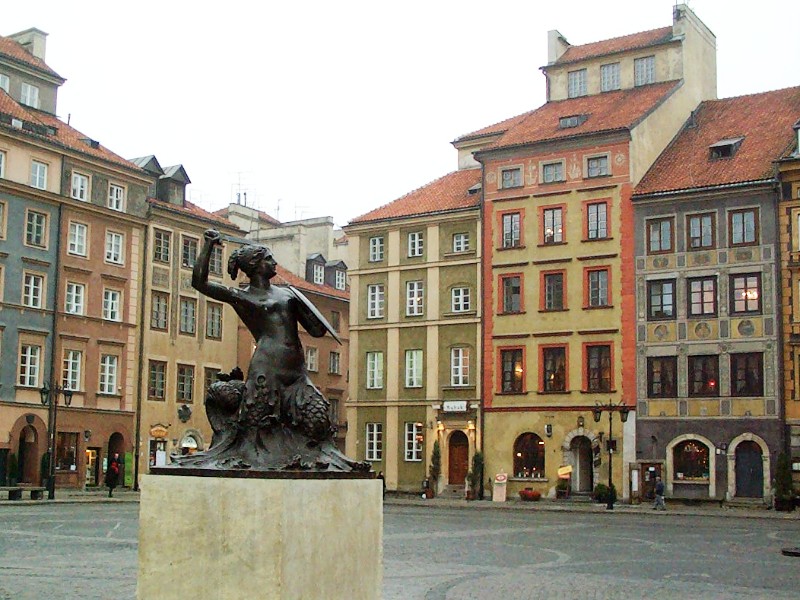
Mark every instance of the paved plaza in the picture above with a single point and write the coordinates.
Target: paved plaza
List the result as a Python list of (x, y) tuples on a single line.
[(88, 551)]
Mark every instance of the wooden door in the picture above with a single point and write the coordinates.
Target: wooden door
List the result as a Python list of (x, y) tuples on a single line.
[(749, 471), (458, 458)]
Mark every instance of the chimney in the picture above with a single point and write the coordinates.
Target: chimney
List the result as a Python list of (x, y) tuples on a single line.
[(33, 40), (557, 44)]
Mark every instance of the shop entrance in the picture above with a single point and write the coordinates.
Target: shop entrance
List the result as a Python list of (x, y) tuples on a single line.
[(648, 474), (28, 456), (749, 470), (458, 458), (582, 476), (92, 467)]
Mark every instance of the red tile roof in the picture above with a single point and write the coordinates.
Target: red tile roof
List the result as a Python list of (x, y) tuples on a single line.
[(16, 52), (191, 209), (285, 277), (450, 192), (764, 121), (609, 111), (500, 127), (633, 41)]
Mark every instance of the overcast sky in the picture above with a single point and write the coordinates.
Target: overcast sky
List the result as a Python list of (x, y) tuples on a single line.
[(335, 108)]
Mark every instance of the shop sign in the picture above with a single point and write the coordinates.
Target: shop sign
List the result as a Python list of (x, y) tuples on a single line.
[(564, 472), (454, 406), (158, 431)]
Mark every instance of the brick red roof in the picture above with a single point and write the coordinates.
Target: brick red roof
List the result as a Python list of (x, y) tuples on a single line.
[(191, 209), (16, 52), (764, 121), (446, 193), (285, 277), (500, 127), (609, 111), (633, 41)]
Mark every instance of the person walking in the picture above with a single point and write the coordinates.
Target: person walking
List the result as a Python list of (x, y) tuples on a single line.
[(112, 474), (659, 503)]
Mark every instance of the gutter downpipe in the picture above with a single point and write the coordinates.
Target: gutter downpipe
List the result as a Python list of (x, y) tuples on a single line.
[(142, 385)]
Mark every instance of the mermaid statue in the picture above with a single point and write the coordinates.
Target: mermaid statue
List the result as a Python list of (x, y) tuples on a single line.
[(275, 418)]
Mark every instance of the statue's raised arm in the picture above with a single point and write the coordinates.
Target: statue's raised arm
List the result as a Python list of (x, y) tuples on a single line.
[(200, 282)]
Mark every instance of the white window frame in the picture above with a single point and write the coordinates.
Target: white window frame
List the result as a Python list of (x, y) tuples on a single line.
[(376, 249), (116, 197), (341, 279), (109, 364), (599, 220), (3, 212), (334, 362), (159, 311), (38, 174), (215, 261), (415, 298), (511, 177), (459, 366), (78, 236), (29, 95), (80, 187), (413, 369), (374, 445), (374, 370), (29, 365), (597, 290), (115, 248), (416, 244), (188, 242), (553, 225), (5, 83), (375, 300), (33, 290), (644, 70), (512, 229), (593, 164), (184, 383), (162, 245), (112, 304), (413, 443), (2, 164), (576, 83), (35, 229), (71, 372), (461, 242), (75, 298), (460, 300), (609, 77), (318, 273), (312, 359), (213, 321), (553, 171), (188, 318)]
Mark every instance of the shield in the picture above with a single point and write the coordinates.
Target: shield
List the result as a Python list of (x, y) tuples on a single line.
[(313, 312)]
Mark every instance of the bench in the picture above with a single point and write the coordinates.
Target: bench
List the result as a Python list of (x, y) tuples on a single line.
[(15, 492)]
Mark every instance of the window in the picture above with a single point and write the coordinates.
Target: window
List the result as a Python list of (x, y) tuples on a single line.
[(156, 380), (188, 316), (4, 83), (700, 230), (460, 242), (108, 374), (71, 376), (597, 166), (209, 377), (189, 252), (214, 320), (36, 229), (661, 299), (704, 375), (512, 294), (552, 225), (215, 261), (114, 243), (609, 77), (116, 197), (659, 236), (161, 245), (598, 368), (510, 178), (74, 298), (746, 293), (312, 359), (511, 230), (2, 164), (513, 371), (460, 299), (80, 187), (553, 172), (743, 227), (724, 148), (644, 70), (597, 282), (76, 242), (414, 298), (29, 95), (29, 362), (38, 175), (2, 220), (336, 320), (333, 363), (554, 291), (702, 296), (576, 83), (374, 441), (597, 221), (375, 301), (111, 305), (571, 121), (415, 244), (375, 249), (340, 281), (529, 456), (374, 370), (159, 311), (66, 451), (662, 376), (690, 460), (747, 374), (554, 361), (185, 387), (33, 290), (413, 368), (414, 439), (318, 274), (459, 367)]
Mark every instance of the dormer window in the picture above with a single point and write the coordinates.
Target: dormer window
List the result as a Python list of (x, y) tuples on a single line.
[(725, 148), (572, 121), (29, 95), (341, 279), (4, 82), (319, 274)]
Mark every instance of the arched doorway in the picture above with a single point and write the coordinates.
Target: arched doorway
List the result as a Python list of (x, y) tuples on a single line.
[(28, 456), (749, 470), (582, 475), (116, 444), (458, 458)]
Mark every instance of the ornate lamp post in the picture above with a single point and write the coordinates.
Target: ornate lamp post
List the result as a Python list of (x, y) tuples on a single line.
[(597, 412), (50, 398)]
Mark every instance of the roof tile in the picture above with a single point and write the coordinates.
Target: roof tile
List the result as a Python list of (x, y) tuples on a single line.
[(191, 209), (286, 277), (14, 50), (633, 41)]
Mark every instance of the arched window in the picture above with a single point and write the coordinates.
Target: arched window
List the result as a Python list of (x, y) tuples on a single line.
[(690, 460), (529, 456)]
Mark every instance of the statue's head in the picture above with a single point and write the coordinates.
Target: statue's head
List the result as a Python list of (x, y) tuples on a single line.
[(251, 260)]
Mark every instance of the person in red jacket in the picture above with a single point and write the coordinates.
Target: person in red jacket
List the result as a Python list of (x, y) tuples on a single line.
[(112, 474)]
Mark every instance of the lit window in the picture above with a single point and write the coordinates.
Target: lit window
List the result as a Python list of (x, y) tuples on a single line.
[(552, 226), (512, 371), (598, 368), (704, 375), (414, 439), (746, 293), (690, 460), (529, 453)]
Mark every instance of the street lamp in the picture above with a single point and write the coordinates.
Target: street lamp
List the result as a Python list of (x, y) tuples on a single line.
[(597, 412), (50, 398)]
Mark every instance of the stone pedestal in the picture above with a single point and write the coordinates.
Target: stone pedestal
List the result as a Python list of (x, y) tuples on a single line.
[(234, 539)]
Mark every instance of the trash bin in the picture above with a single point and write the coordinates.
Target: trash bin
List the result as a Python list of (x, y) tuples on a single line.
[(499, 488)]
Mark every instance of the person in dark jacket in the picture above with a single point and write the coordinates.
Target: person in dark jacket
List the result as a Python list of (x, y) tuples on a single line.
[(659, 504), (112, 474)]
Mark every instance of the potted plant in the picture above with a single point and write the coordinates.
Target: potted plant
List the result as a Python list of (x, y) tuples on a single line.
[(473, 480), (530, 495), (434, 470), (13, 470), (602, 491), (784, 492), (562, 488)]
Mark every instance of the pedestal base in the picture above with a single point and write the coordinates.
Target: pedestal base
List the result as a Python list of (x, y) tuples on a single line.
[(229, 539)]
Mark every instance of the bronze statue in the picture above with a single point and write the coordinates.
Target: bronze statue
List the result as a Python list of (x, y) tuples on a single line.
[(275, 419)]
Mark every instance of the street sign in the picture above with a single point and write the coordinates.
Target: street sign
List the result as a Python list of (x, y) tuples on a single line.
[(454, 406)]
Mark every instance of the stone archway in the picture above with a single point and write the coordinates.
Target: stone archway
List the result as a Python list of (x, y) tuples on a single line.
[(28, 456), (748, 437), (571, 457), (712, 462)]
